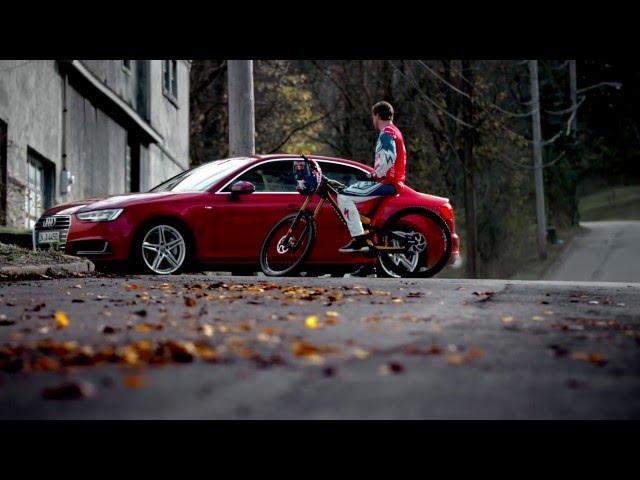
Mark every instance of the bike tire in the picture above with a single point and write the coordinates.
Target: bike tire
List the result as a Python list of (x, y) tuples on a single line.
[(417, 273), (294, 268)]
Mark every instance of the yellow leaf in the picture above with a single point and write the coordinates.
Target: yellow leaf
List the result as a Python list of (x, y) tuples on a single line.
[(311, 322), (62, 321), (507, 319)]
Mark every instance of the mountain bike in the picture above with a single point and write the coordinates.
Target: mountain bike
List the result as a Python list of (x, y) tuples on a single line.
[(413, 242)]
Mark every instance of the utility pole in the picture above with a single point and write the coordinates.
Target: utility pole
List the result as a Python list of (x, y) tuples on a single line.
[(573, 81), (241, 108), (537, 159), (469, 174)]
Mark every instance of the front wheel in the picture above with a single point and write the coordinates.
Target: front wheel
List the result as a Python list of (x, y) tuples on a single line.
[(427, 239), (162, 248), (288, 245)]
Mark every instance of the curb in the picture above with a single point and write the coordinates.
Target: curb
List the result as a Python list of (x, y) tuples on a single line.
[(78, 266)]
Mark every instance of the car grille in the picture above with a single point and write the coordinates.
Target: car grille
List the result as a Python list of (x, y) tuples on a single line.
[(61, 223)]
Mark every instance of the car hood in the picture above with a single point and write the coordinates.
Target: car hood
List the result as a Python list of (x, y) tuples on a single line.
[(110, 201)]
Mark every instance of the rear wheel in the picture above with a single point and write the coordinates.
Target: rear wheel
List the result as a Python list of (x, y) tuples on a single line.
[(287, 245), (427, 239)]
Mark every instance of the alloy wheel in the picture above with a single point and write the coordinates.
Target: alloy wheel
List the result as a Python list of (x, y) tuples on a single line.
[(163, 249)]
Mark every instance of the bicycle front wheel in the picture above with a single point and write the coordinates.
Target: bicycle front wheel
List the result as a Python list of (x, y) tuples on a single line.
[(288, 245)]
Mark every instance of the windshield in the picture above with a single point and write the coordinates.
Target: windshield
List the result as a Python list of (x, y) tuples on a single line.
[(201, 178)]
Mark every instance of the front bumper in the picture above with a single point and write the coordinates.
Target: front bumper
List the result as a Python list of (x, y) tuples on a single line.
[(100, 240)]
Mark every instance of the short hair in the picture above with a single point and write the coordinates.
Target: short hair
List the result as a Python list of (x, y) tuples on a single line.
[(384, 110)]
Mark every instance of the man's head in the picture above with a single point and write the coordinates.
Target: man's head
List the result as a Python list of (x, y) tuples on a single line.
[(381, 114)]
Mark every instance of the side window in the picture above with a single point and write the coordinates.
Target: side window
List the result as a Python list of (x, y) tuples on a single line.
[(342, 173), (269, 177)]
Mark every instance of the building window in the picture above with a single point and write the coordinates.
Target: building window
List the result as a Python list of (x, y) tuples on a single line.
[(126, 66), (170, 79)]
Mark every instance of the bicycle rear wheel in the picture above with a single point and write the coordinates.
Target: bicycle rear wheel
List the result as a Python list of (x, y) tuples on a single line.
[(283, 251)]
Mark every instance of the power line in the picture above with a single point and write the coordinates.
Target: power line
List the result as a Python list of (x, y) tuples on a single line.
[(430, 100), (532, 167), (457, 90)]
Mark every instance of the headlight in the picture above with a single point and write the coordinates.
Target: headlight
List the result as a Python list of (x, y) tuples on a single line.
[(100, 215)]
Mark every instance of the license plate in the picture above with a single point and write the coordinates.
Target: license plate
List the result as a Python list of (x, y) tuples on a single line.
[(48, 237)]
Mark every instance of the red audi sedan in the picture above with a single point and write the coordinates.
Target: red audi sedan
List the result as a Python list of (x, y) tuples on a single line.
[(199, 220)]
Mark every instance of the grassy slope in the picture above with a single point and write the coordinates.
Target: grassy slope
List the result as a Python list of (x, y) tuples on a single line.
[(618, 203), (11, 255)]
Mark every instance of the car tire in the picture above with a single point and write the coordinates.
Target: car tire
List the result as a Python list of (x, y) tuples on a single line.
[(163, 247)]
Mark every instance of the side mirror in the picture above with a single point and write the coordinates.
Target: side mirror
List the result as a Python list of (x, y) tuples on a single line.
[(242, 188)]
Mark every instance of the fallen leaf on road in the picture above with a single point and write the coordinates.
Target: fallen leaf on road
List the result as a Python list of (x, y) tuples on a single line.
[(131, 286), (45, 364), (206, 330), (559, 350), (594, 302), (69, 391), (580, 356), (140, 313), (537, 318), (6, 323), (300, 348), (474, 353), (77, 300), (413, 350), (311, 322), (329, 371), (507, 319), (189, 302), (147, 327), (134, 381), (391, 367), (454, 359), (62, 321), (396, 300), (598, 359)]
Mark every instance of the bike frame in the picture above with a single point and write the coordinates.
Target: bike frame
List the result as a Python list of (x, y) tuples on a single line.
[(325, 192)]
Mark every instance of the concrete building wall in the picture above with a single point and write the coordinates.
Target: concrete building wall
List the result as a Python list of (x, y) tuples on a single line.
[(31, 103), (96, 147), (171, 120)]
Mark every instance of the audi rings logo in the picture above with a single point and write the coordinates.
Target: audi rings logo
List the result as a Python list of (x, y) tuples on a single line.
[(49, 222)]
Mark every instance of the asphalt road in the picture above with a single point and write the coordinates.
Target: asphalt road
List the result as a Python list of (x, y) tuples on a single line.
[(408, 349), (608, 251)]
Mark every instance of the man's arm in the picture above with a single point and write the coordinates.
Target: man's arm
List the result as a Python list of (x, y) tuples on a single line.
[(385, 154)]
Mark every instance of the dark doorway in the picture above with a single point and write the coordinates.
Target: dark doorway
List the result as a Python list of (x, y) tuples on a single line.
[(132, 164)]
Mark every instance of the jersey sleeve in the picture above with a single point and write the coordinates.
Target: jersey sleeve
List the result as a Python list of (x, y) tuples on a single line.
[(385, 154)]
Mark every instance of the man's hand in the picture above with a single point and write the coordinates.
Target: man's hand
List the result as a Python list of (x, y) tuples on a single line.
[(373, 177)]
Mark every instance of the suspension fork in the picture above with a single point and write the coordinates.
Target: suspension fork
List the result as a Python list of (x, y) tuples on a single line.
[(299, 215)]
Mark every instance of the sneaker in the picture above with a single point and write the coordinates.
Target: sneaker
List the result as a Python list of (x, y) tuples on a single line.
[(357, 244), (366, 270)]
